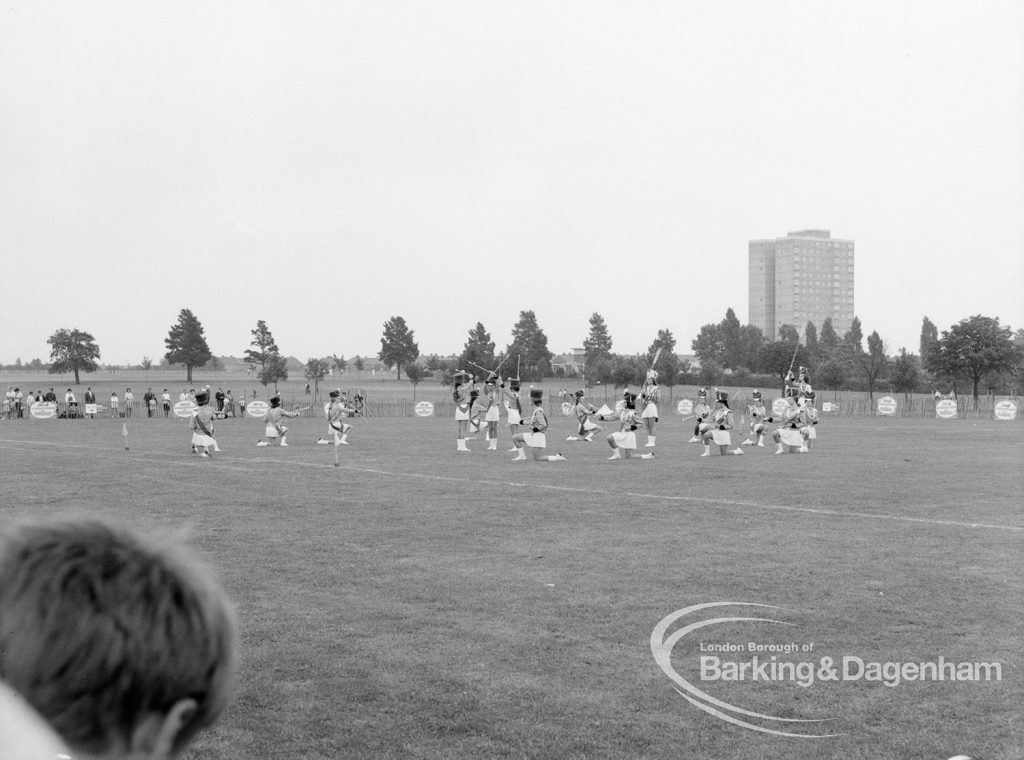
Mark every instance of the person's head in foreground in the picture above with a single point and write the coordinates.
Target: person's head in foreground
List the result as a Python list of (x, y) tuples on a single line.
[(125, 645)]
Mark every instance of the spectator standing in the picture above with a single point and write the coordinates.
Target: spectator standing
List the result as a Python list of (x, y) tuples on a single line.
[(115, 405), (229, 404), (149, 399), (90, 398), (129, 402), (70, 404), (166, 398), (8, 401), (19, 402), (220, 400), (50, 397)]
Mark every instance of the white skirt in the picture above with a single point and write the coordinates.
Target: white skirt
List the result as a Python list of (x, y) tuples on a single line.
[(460, 413), (625, 439), (651, 410), (492, 414), (791, 437), (721, 437), (271, 431), (809, 432), (588, 426), (535, 440), (199, 439), (514, 417)]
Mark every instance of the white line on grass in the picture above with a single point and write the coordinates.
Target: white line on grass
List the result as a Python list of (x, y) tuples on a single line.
[(219, 461)]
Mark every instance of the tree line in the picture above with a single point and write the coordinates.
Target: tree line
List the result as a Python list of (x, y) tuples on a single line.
[(974, 351)]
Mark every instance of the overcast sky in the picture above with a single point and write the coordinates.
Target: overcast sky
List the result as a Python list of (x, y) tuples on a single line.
[(324, 166)]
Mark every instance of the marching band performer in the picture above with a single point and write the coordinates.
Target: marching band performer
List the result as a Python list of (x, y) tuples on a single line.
[(584, 411), (201, 425), (488, 410), (513, 406), (462, 385), (758, 417), (649, 404), (702, 411), (788, 436), (274, 426), (536, 438), (335, 412), (717, 430), (623, 442), (809, 431)]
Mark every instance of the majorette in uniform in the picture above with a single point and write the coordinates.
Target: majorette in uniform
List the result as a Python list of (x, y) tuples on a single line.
[(513, 406), (649, 405), (275, 426), (787, 436), (202, 426), (720, 423), (474, 410), (336, 411), (806, 401), (536, 437), (623, 442), (584, 411), (487, 406), (461, 387), (702, 412), (758, 417)]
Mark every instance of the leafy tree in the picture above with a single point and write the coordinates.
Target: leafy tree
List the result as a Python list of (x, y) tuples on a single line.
[(433, 363), (730, 332), (358, 363), (973, 347), (397, 347), (777, 358), (855, 335), (667, 365), (337, 362), (789, 334), (905, 375), (709, 345), (831, 375), (479, 350), (73, 351), (186, 344), (146, 364), (828, 340), (811, 339), (751, 340), (872, 363), (711, 372), (316, 371), (415, 373), (598, 344), (35, 365), (274, 371), (264, 347), (530, 344), (929, 336), (601, 369), (626, 369)]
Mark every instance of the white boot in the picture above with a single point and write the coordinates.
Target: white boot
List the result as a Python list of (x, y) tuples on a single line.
[(616, 455), (521, 455), (650, 442), (462, 445), (737, 451), (493, 445), (284, 440), (779, 449), (556, 458), (695, 439), (707, 450), (262, 443), (747, 442), (322, 442), (648, 455)]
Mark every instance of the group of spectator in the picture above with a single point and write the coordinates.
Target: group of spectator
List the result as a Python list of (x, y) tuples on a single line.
[(16, 404)]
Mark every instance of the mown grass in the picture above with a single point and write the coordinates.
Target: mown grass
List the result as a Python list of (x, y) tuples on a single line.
[(416, 602)]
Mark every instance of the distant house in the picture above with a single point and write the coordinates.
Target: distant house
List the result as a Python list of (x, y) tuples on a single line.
[(570, 364)]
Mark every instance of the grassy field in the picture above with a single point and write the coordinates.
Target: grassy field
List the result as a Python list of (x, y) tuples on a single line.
[(419, 603)]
